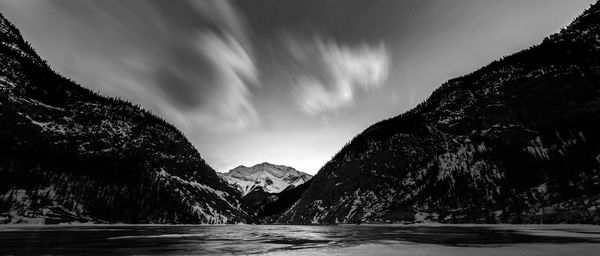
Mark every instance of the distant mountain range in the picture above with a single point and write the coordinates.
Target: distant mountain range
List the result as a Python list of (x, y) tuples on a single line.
[(68, 154), (264, 177), (514, 142)]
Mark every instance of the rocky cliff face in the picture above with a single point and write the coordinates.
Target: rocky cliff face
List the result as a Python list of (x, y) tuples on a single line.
[(516, 141), (68, 154)]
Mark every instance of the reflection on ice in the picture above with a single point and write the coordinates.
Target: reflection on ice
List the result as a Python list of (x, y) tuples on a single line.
[(274, 239)]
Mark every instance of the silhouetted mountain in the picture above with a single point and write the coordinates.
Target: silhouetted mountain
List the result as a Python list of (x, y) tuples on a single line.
[(68, 154), (265, 207), (264, 177), (272, 206), (516, 141)]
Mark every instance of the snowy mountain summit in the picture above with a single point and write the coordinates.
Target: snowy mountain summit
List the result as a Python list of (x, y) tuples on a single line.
[(268, 177)]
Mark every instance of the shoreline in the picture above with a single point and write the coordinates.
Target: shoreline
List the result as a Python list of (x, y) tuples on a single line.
[(313, 225)]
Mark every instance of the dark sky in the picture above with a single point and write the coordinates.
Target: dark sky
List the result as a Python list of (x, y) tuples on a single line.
[(288, 82)]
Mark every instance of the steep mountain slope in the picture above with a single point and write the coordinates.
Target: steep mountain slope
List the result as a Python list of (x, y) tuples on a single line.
[(265, 177), (516, 141), (273, 205), (264, 207), (68, 154)]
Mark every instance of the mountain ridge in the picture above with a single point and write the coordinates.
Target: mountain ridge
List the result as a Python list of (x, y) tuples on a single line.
[(68, 154), (512, 142)]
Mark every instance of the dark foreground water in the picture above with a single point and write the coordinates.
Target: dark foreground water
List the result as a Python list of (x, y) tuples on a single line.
[(485, 240)]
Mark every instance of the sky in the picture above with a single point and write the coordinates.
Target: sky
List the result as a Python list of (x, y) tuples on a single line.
[(279, 81)]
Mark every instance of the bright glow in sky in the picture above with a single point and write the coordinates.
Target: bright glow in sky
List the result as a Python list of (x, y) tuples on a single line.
[(280, 81)]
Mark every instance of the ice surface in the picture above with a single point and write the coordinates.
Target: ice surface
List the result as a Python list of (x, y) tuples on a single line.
[(428, 250), (426, 239)]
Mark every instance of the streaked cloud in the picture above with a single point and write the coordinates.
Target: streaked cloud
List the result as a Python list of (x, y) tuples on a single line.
[(284, 81), (217, 100), (189, 61), (330, 74)]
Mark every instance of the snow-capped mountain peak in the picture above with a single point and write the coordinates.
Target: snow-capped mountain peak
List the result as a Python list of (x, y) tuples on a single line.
[(269, 177)]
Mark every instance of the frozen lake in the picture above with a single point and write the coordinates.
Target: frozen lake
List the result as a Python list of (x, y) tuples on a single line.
[(300, 240)]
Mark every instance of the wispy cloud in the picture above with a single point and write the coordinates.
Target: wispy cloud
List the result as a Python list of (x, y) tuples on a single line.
[(217, 100), (331, 74)]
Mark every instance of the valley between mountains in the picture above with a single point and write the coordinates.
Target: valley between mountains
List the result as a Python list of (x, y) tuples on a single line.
[(514, 142)]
